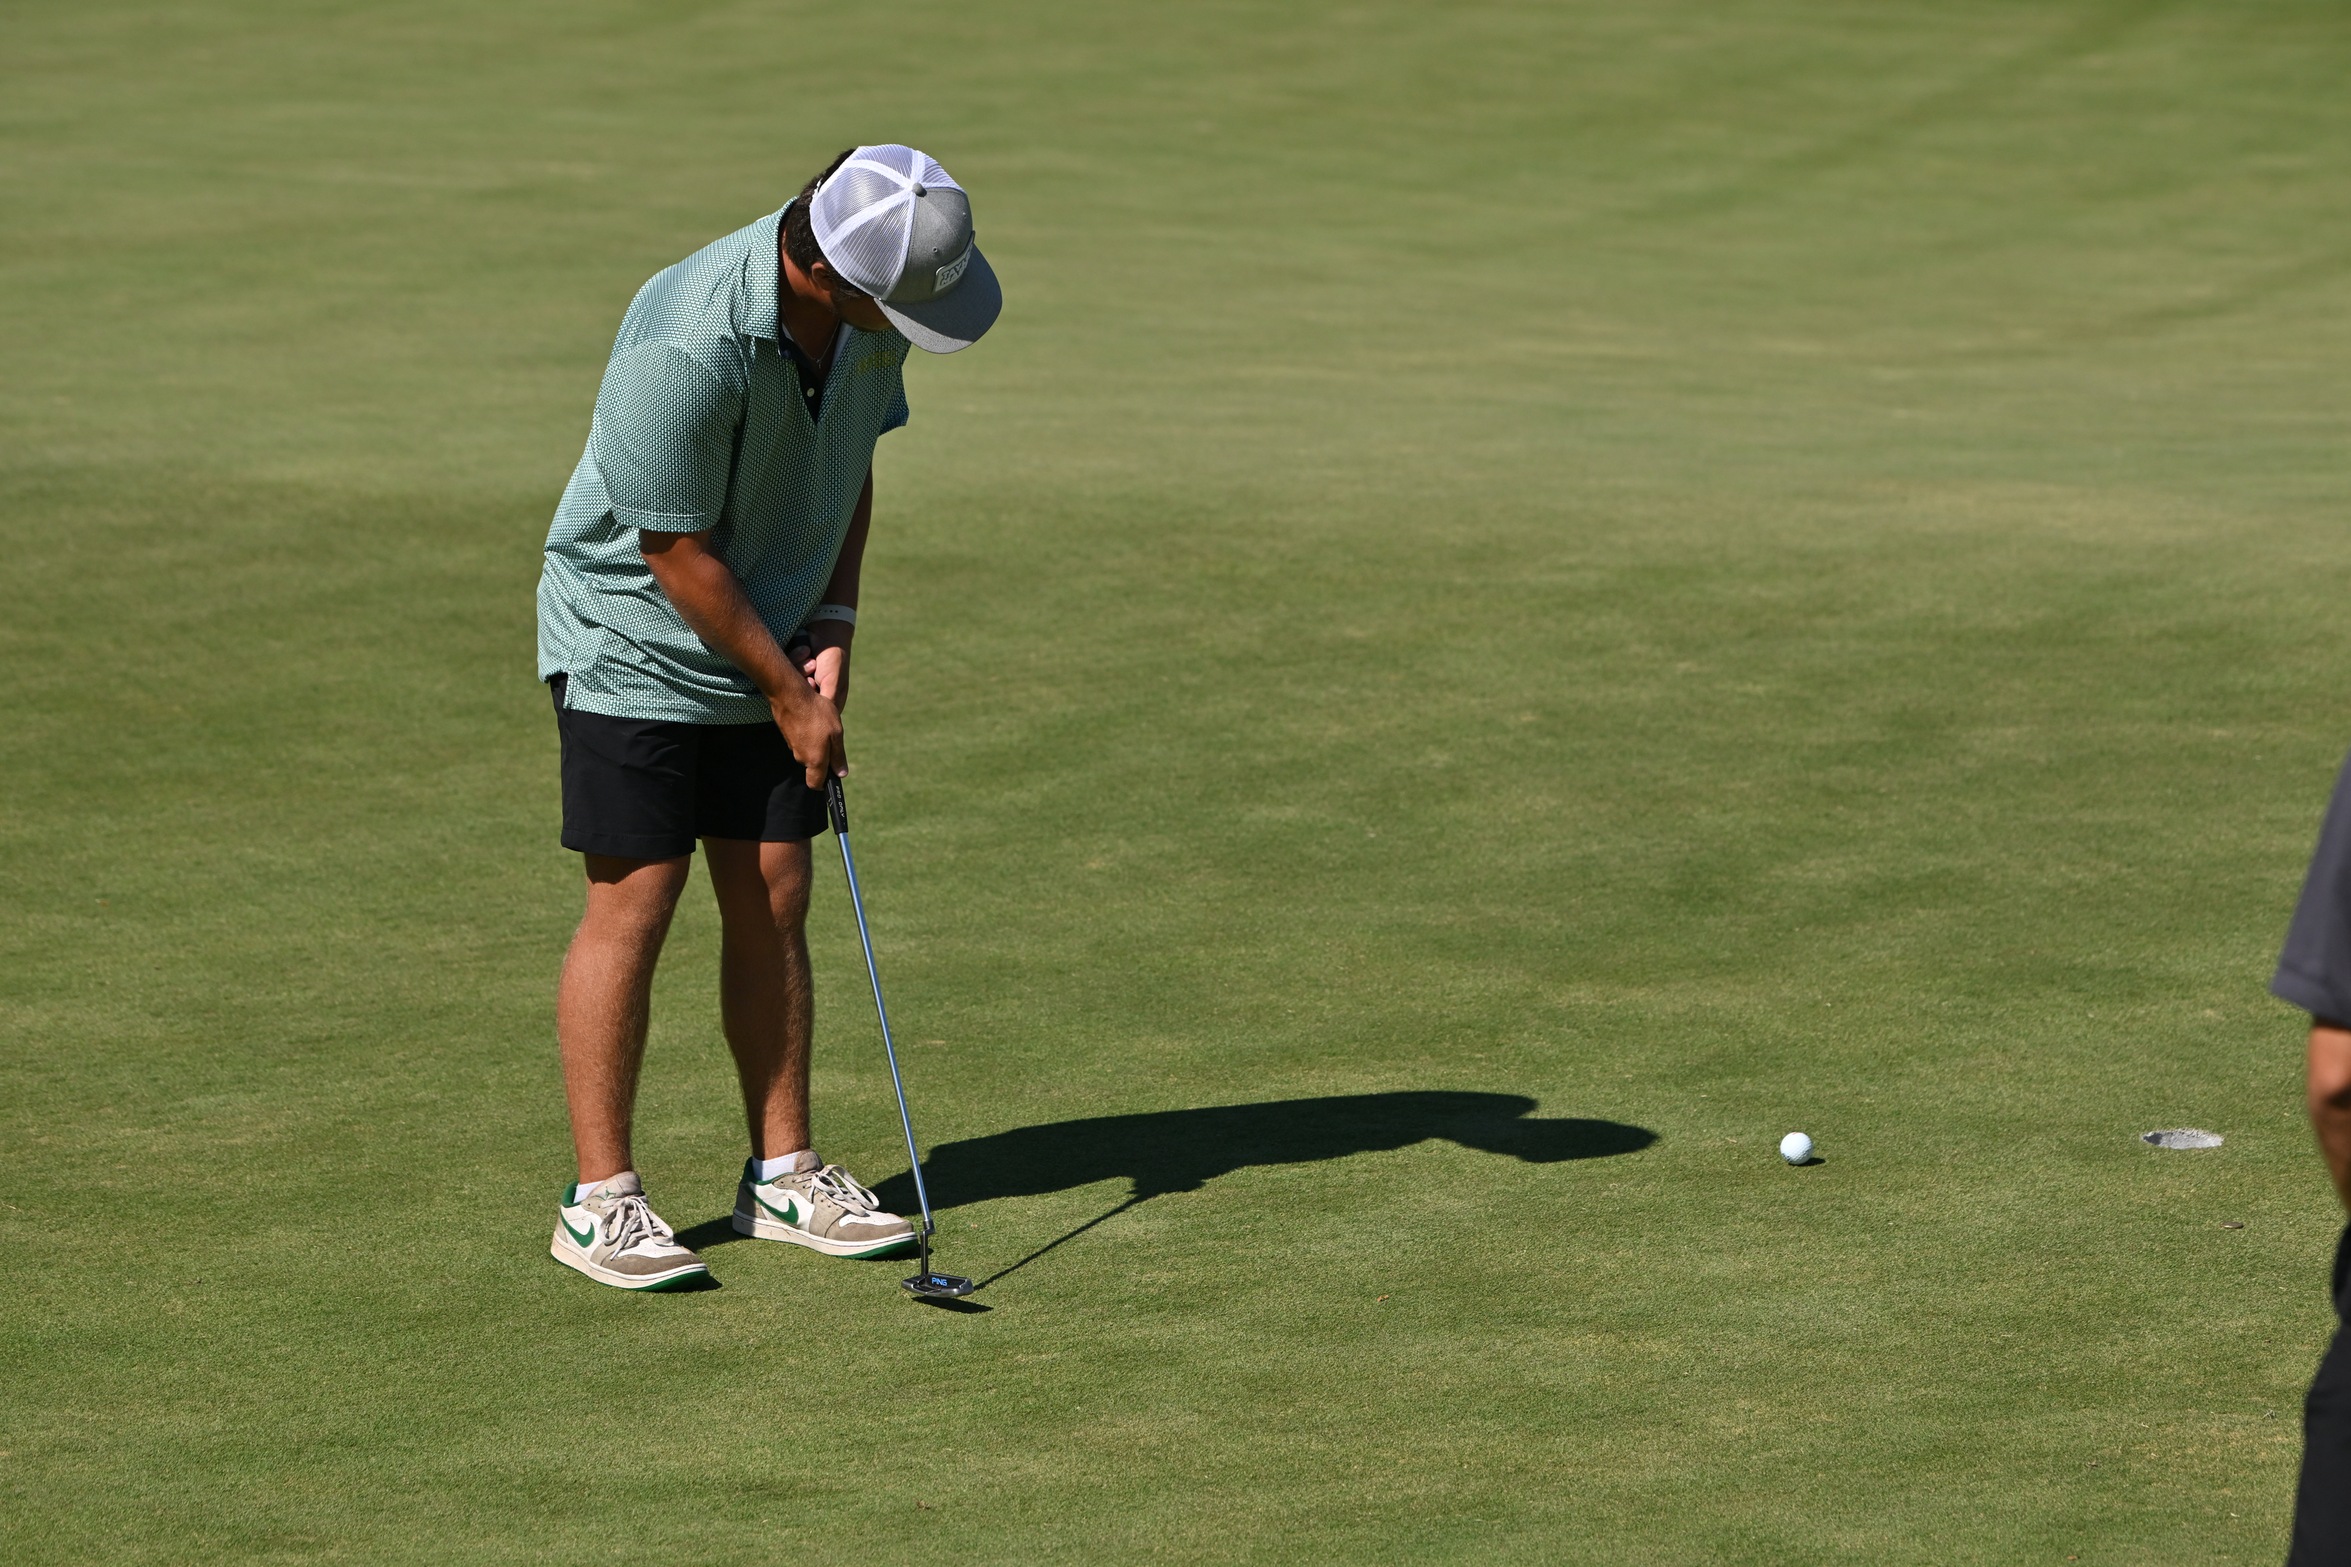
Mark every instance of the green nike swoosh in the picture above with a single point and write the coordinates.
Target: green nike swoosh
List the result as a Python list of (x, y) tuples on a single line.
[(788, 1212), (585, 1241)]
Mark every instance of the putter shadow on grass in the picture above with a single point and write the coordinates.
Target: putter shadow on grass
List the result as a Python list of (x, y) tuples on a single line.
[(1164, 1151)]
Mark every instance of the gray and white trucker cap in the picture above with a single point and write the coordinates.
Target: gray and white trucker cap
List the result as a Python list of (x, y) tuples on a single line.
[(894, 225)]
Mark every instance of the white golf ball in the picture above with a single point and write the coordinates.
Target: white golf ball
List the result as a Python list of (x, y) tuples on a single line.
[(1795, 1148)]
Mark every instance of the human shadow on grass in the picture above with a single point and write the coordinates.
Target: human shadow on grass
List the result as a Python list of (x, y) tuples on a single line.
[(1165, 1151)]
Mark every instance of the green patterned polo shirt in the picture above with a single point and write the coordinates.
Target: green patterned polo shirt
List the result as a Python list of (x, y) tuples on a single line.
[(702, 423)]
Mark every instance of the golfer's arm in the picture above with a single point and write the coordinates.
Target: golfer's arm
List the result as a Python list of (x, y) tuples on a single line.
[(707, 596), (2330, 1099), (842, 588)]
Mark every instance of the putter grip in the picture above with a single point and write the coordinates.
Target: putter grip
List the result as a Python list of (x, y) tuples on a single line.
[(836, 806)]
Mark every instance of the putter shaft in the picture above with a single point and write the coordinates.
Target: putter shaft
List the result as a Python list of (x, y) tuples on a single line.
[(925, 1285), (839, 809)]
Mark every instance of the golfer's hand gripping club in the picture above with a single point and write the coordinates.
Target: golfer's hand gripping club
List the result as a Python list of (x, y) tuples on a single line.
[(809, 720)]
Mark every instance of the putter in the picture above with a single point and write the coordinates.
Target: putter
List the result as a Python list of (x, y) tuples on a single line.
[(925, 1285)]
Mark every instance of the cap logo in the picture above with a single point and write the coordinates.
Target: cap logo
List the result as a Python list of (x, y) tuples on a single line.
[(948, 275)]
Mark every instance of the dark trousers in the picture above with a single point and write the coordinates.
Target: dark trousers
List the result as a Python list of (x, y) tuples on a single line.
[(2322, 1504)]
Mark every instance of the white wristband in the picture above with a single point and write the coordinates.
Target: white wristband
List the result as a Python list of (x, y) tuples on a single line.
[(832, 612)]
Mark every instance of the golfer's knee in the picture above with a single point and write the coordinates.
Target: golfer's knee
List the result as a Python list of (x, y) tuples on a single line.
[(787, 905), (787, 872), (777, 902), (2329, 1080)]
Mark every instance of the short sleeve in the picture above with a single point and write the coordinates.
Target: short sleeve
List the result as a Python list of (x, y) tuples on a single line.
[(2314, 971), (894, 412), (665, 439)]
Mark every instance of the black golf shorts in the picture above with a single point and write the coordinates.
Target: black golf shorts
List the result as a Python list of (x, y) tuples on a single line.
[(645, 789), (2322, 1503)]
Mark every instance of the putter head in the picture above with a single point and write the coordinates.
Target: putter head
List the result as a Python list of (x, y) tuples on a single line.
[(927, 1285)]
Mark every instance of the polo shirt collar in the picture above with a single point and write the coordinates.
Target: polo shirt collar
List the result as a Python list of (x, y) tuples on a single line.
[(759, 304), (765, 285), (763, 304)]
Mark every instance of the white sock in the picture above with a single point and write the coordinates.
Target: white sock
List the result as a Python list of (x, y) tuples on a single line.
[(585, 1189), (786, 1164)]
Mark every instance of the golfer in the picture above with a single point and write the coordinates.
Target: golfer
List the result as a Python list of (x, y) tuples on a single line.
[(2314, 973), (696, 610)]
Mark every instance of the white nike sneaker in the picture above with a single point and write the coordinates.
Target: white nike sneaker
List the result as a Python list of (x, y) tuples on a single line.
[(823, 1210), (613, 1236)]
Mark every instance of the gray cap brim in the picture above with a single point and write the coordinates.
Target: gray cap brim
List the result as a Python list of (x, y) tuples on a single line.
[(956, 319)]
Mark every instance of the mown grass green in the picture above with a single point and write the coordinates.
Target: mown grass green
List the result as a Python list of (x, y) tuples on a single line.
[(1717, 567)]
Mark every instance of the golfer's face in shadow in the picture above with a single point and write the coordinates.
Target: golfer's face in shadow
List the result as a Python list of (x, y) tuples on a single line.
[(860, 310)]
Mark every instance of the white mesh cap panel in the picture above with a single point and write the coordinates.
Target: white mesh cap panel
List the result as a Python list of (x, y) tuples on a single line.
[(896, 226), (863, 215)]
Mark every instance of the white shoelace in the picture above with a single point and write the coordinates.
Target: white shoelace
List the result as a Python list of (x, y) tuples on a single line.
[(842, 1187), (631, 1221)]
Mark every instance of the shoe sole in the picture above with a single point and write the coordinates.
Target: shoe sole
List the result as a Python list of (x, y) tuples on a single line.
[(758, 1228), (627, 1281)]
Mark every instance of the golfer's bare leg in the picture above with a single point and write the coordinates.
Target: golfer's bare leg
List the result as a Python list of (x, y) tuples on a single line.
[(2329, 1083), (604, 1002), (765, 997)]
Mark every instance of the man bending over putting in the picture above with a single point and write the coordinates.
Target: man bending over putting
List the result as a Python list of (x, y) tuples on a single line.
[(696, 607)]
